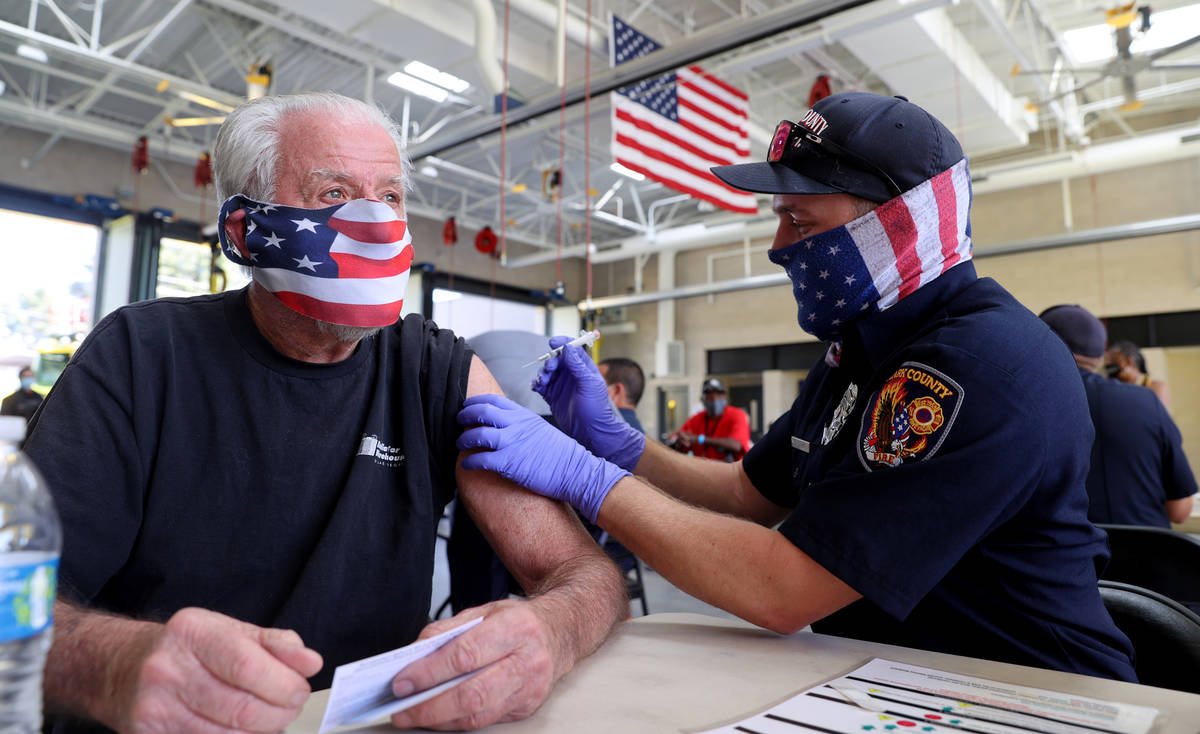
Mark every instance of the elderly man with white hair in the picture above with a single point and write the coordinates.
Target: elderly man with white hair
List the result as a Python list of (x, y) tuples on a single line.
[(250, 482)]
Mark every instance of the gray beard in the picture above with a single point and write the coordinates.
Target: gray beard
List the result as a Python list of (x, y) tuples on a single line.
[(347, 334)]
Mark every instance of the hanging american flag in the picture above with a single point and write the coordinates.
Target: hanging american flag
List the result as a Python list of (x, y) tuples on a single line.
[(674, 127)]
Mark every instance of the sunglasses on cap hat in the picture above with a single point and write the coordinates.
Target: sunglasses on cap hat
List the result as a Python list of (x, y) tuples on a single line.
[(792, 141)]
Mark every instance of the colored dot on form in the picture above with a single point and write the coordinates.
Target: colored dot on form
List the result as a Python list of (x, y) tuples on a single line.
[(907, 723), (935, 717)]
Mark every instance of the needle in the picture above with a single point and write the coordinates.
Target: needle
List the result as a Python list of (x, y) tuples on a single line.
[(585, 337)]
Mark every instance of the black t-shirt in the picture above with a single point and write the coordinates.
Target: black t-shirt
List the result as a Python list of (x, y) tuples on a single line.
[(1137, 460), (193, 465), (946, 487)]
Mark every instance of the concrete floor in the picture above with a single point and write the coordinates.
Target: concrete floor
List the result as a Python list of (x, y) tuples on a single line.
[(661, 595)]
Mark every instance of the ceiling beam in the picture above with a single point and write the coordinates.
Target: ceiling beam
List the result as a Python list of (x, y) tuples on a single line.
[(105, 62), (102, 88), (329, 40), (719, 38), (106, 134)]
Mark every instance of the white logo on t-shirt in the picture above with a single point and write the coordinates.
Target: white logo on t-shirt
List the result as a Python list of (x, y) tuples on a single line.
[(384, 455)]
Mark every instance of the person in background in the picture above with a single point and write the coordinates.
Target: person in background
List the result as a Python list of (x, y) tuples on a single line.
[(250, 482), (1139, 474), (1125, 362), (921, 491), (24, 401), (626, 382), (720, 431)]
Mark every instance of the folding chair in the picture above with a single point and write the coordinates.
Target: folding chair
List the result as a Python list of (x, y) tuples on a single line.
[(1164, 633)]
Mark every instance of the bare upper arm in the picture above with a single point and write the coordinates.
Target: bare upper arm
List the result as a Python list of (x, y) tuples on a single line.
[(756, 507), (1179, 510), (532, 535), (480, 380)]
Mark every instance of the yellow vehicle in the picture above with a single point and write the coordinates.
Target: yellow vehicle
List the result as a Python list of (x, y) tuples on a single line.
[(52, 359)]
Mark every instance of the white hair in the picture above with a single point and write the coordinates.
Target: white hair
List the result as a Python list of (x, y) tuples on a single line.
[(246, 152)]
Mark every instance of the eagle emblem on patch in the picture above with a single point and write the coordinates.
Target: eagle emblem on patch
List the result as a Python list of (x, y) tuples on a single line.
[(909, 418)]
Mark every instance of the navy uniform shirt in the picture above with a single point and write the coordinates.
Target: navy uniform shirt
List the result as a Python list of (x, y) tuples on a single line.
[(939, 471), (630, 416), (1137, 459)]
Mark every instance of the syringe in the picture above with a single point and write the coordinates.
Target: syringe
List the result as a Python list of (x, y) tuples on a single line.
[(585, 338)]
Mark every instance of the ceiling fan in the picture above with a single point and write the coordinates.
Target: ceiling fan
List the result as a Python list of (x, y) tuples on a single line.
[(1125, 64)]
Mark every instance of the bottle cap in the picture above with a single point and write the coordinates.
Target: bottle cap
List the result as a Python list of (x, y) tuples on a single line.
[(12, 429)]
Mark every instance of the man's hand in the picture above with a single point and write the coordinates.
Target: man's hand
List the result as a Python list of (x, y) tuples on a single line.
[(526, 449), (205, 672), (578, 397), (686, 440), (515, 639)]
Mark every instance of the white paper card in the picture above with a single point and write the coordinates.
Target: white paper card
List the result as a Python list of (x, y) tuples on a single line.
[(886, 697), (362, 690)]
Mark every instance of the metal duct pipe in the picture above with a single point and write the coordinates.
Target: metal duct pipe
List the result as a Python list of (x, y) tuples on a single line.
[(688, 237), (485, 46), (687, 291), (715, 40), (1149, 228)]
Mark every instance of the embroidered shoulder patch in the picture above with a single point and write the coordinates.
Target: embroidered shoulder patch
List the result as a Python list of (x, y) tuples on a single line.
[(909, 418)]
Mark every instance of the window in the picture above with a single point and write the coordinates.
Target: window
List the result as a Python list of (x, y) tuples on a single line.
[(47, 286), (184, 269)]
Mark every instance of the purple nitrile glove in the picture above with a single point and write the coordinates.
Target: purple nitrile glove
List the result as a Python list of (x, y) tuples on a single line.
[(523, 447), (578, 398)]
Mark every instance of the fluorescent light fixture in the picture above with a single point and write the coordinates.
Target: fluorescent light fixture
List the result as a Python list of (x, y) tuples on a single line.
[(33, 53), (437, 76), (428, 171), (193, 121), (417, 86), (618, 168), (3, 86), (205, 101), (441, 295), (1095, 42)]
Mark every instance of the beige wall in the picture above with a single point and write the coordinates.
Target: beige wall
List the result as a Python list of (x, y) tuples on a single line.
[(1182, 373)]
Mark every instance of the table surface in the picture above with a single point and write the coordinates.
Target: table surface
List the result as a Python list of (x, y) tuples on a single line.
[(689, 672)]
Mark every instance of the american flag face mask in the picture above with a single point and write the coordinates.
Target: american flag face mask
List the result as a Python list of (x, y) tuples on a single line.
[(872, 262), (345, 264)]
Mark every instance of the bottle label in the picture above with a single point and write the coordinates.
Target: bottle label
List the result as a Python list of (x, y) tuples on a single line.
[(27, 598)]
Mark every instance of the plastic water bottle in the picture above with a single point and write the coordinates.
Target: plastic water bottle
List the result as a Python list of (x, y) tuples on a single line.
[(30, 542)]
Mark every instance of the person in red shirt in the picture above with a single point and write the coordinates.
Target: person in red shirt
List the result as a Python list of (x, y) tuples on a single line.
[(720, 431)]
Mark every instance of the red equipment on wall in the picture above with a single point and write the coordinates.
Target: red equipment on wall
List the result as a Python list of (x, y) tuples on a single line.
[(485, 241), (203, 175), (141, 155), (820, 90)]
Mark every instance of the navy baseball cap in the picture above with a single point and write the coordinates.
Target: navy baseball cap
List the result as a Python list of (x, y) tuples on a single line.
[(1075, 325), (713, 384), (852, 143)]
